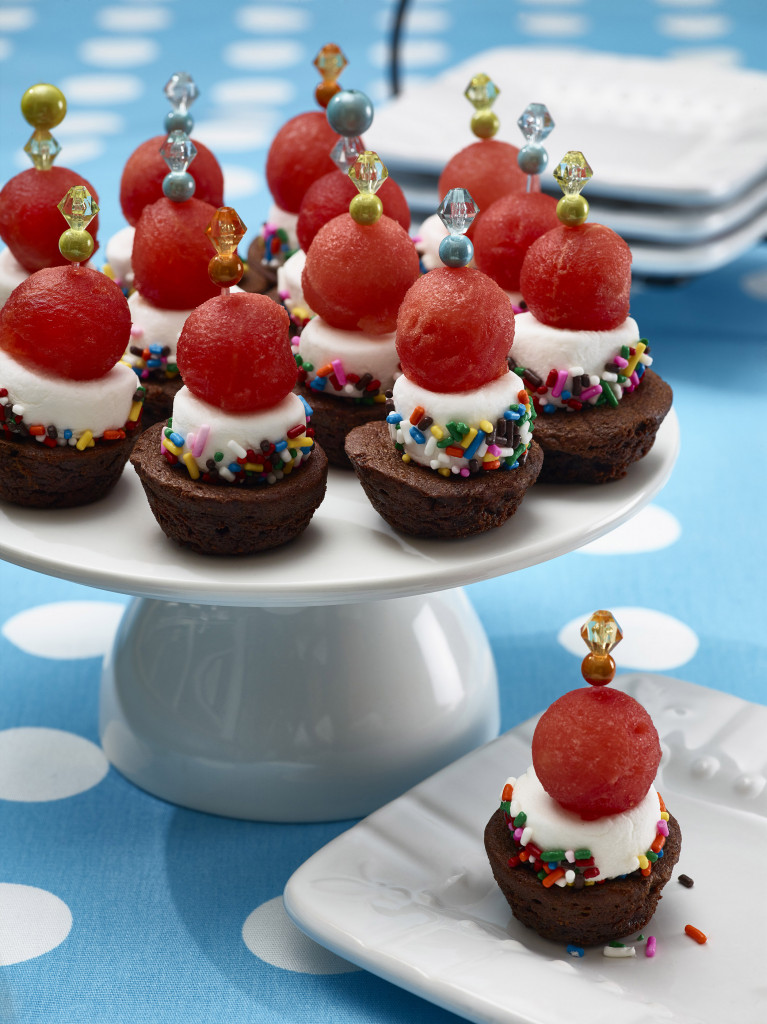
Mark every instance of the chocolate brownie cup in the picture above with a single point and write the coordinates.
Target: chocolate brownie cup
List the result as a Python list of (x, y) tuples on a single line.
[(419, 502), (59, 477), (597, 445), (219, 519), (333, 419), (587, 916)]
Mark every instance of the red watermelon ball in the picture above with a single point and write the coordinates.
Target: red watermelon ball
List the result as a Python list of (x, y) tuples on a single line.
[(578, 278), (234, 352), (356, 275), (506, 230), (171, 253), (30, 221), (143, 174), (329, 197), (72, 323), (454, 330), (488, 169), (596, 751), (298, 156)]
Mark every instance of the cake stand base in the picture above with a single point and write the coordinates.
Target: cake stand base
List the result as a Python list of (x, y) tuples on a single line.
[(295, 714)]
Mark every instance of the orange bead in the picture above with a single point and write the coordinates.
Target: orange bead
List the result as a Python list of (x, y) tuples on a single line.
[(598, 669), (325, 91), (507, 792), (226, 269), (695, 933)]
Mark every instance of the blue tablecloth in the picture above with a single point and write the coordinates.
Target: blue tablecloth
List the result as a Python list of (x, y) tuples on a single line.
[(116, 907)]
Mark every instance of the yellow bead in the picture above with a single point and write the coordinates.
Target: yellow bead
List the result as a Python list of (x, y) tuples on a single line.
[(75, 245), (572, 210), (485, 123), (43, 106), (226, 269), (366, 208)]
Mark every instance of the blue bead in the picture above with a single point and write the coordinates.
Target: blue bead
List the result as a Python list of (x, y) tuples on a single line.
[(350, 112), (532, 158), (175, 121), (417, 436), (394, 417), (178, 186), (456, 250)]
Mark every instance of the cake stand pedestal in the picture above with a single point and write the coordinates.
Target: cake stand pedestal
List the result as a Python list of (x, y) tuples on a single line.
[(316, 681)]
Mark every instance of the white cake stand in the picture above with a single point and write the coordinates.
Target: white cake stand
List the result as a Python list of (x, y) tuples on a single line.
[(317, 681)]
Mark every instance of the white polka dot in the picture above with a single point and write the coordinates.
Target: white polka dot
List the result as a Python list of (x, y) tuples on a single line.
[(652, 641), (650, 530), (90, 122), (240, 182), (554, 26), (67, 629), (269, 91), (417, 20), (694, 26), (249, 132), (102, 90), (263, 56), (118, 53), (413, 53), (5, 52), (16, 19), (755, 285), (38, 765), (718, 56), (272, 19), (270, 935), (133, 19), (32, 922)]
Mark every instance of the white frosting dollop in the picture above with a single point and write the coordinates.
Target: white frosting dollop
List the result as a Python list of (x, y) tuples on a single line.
[(206, 430), (616, 841), (279, 218), (358, 352), (11, 274), (77, 405), (429, 235), (486, 404), (120, 256), (541, 348), (289, 282), (153, 326)]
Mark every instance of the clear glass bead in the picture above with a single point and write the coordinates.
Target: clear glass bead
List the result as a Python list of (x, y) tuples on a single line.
[(346, 151), (457, 211), (42, 149), (178, 151), (535, 122), (181, 90)]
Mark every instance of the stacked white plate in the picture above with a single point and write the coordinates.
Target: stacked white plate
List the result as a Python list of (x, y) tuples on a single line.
[(678, 148)]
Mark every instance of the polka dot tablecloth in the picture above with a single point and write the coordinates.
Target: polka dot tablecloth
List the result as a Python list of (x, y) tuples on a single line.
[(116, 907)]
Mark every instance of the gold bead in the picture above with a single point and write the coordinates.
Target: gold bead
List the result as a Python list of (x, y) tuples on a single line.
[(366, 208), (226, 269), (598, 669), (572, 210), (75, 245), (485, 123), (43, 106)]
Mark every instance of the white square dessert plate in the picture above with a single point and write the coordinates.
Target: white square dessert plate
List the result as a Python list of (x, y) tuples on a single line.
[(408, 893)]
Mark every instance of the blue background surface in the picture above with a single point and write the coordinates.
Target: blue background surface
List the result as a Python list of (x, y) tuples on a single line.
[(159, 895)]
